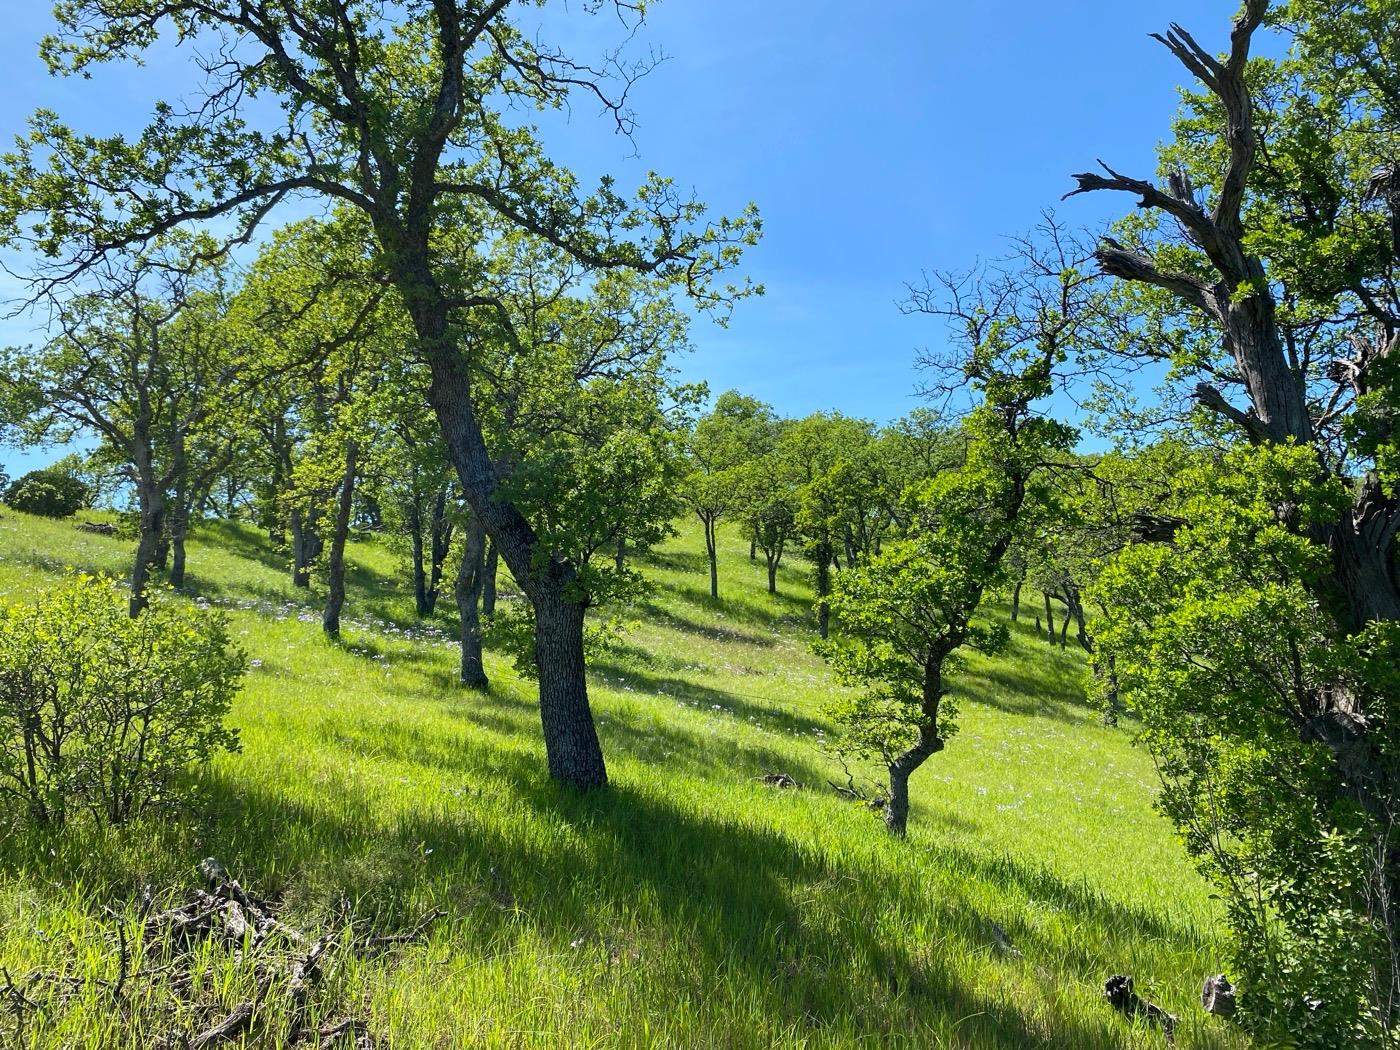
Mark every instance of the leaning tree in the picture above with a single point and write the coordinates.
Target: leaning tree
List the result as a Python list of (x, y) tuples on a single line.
[(394, 109), (1262, 272)]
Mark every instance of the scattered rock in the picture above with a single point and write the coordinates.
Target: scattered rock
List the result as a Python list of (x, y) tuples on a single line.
[(99, 528)]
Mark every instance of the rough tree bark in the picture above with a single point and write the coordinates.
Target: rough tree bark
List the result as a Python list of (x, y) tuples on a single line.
[(928, 745), (574, 754), (335, 562), (488, 583), (470, 580)]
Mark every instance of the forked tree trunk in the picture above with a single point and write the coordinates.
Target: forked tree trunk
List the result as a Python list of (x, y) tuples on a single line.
[(335, 563), (772, 571), (470, 580)]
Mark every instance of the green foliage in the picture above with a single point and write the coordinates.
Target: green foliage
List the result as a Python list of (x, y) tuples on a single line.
[(365, 775), (102, 713), (1225, 654), (910, 608), (48, 492)]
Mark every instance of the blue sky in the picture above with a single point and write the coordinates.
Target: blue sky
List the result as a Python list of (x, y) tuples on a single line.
[(879, 140)]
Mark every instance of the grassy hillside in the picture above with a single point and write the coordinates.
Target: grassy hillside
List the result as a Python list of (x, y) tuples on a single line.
[(689, 905)]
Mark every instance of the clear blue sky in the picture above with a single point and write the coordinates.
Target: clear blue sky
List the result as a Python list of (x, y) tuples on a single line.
[(878, 139)]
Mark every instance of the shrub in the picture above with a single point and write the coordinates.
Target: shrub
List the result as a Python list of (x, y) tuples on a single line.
[(50, 493), (104, 714)]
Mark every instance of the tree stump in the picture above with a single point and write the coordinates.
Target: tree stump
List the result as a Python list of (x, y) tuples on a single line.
[(1218, 996)]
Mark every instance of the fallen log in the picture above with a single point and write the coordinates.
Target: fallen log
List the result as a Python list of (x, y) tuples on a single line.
[(1118, 991)]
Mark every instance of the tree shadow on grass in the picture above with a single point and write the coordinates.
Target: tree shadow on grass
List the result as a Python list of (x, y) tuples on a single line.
[(775, 717), (730, 893), (655, 614), (729, 909)]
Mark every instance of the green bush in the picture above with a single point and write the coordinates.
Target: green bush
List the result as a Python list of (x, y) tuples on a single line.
[(50, 493), (104, 714)]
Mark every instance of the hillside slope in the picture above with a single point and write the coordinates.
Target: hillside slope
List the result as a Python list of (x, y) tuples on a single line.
[(688, 905)]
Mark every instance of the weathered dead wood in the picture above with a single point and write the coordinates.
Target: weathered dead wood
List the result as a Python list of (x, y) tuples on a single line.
[(1218, 996), (1118, 991), (778, 780), (384, 941), (234, 1024)]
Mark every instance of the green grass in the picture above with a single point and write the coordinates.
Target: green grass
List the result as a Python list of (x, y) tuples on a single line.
[(687, 905)]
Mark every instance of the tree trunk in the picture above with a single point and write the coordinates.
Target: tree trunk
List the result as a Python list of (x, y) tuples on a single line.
[(1364, 558), (575, 757), (488, 584), (420, 572), (928, 744), (150, 505), (1081, 626), (1107, 669), (823, 590), (470, 580), (712, 552), (335, 564), (179, 528), (1049, 620), (441, 534), (772, 572), (306, 544), (1016, 598), (753, 548)]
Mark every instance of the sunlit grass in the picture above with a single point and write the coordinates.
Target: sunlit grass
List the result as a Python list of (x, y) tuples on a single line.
[(688, 905)]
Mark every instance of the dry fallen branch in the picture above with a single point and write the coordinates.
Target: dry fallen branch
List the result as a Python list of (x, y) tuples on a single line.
[(778, 780), (274, 954)]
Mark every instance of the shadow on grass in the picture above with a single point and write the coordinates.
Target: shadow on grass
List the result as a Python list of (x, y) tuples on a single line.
[(705, 696), (730, 909)]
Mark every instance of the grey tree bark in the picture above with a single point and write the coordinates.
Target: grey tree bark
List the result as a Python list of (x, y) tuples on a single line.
[(335, 562), (470, 584)]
